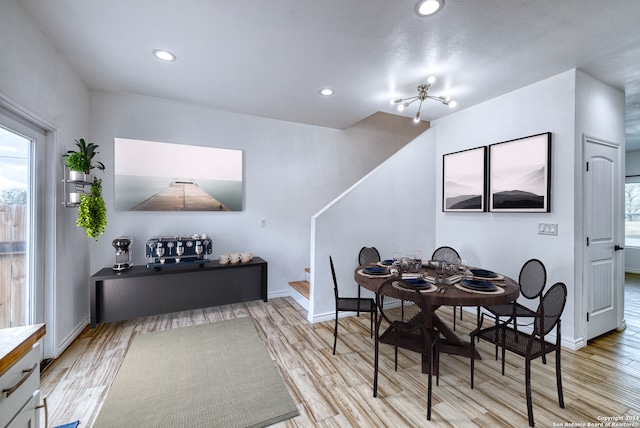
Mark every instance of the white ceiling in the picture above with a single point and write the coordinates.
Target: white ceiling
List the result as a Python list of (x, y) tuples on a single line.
[(270, 58)]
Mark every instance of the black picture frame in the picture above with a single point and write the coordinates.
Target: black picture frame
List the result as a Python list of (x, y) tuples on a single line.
[(464, 178), (520, 174)]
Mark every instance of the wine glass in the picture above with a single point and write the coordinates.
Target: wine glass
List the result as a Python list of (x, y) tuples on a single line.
[(463, 266)]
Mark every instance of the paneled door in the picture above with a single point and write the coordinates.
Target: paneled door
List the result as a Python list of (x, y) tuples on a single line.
[(603, 276)]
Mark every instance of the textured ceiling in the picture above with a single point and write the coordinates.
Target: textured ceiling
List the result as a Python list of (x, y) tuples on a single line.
[(271, 58)]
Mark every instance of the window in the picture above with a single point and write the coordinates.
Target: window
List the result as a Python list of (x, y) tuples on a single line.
[(21, 221), (632, 213)]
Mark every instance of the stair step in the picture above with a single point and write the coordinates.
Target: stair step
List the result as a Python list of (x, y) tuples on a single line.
[(301, 287)]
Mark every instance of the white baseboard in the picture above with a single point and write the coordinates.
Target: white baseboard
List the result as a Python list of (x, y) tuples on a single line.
[(71, 337)]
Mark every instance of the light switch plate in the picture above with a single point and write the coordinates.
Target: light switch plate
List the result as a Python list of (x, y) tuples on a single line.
[(547, 228)]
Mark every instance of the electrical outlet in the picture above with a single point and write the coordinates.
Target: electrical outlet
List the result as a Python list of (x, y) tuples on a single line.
[(263, 222)]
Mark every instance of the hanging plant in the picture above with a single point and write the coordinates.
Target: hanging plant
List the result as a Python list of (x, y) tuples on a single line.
[(92, 212)]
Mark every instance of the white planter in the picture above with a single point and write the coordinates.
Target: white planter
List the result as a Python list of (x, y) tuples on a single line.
[(74, 197), (88, 178), (76, 176)]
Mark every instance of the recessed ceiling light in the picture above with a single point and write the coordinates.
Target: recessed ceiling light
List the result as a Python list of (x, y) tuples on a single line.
[(326, 91), (428, 7), (164, 55)]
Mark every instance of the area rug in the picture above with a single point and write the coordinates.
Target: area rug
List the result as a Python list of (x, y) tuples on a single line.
[(210, 375)]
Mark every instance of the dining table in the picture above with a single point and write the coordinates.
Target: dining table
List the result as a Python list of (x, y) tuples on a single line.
[(449, 292)]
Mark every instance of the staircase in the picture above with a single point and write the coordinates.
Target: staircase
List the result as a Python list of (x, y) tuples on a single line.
[(300, 292)]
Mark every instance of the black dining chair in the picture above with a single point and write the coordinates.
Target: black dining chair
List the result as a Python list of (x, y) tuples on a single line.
[(532, 279), (449, 255), (367, 256), (405, 310), (350, 304), (533, 345)]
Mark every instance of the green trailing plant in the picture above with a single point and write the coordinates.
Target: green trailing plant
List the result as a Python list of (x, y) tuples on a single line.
[(92, 212), (86, 150)]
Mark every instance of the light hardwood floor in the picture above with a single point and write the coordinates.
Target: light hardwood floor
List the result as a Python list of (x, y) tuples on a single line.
[(600, 380)]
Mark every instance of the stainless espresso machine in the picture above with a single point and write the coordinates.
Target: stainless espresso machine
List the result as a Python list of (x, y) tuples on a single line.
[(123, 252)]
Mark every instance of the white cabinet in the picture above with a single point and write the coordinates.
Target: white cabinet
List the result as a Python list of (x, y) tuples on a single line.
[(28, 416), (20, 376)]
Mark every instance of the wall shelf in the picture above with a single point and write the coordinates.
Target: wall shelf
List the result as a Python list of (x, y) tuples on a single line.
[(75, 187)]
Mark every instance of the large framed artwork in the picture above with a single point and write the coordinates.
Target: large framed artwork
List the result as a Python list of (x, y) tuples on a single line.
[(156, 176), (464, 180), (520, 174)]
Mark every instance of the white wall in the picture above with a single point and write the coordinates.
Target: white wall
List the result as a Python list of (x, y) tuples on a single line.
[(632, 254), (504, 241), (291, 172), (34, 81), (391, 209), (600, 115)]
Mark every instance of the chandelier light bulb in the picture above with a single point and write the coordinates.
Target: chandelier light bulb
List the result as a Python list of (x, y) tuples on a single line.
[(401, 107), (431, 79), (417, 118), (395, 100), (452, 104)]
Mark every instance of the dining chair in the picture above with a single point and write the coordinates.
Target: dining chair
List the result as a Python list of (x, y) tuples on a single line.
[(533, 345), (366, 256), (405, 310), (449, 255), (350, 304), (532, 279)]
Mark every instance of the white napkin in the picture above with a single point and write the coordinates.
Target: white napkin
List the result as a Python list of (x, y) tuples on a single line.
[(429, 279), (411, 275), (453, 279)]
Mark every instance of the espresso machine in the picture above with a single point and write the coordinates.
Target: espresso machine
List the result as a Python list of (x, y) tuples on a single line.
[(123, 252)]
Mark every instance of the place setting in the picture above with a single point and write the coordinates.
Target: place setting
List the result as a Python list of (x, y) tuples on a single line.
[(471, 285), (375, 272)]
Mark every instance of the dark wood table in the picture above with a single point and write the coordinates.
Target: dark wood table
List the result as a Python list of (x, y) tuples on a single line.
[(450, 342)]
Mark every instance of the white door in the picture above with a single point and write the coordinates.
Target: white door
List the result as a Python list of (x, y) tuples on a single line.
[(603, 226)]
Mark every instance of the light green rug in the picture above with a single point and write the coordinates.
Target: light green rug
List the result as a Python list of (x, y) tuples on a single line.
[(210, 375)]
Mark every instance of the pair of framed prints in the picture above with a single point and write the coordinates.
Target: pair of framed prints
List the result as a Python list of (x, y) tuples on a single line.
[(511, 176)]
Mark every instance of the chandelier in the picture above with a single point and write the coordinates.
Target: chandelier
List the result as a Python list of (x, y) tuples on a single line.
[(403, 103)]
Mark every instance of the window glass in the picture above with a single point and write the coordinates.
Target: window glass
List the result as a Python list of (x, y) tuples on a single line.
[(632, 214)]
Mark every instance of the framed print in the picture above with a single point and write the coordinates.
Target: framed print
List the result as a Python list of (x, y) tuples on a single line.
[(155, 176), (520, 174), (464, 180)]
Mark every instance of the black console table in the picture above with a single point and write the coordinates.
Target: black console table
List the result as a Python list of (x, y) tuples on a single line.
[(139, 291)]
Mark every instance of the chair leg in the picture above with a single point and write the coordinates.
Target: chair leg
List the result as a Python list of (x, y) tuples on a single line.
[(396, 368), (335, 334), (473, 359), (358, 310), (460, 313), (375, 369), (527, 375), (559, 379), (454, 318), (429, 382), (497, 341)]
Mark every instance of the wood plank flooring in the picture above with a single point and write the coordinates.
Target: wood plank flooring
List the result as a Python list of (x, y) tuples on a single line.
[(600, 380)]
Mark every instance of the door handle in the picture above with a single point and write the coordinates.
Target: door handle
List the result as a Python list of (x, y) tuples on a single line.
[(618, 248)]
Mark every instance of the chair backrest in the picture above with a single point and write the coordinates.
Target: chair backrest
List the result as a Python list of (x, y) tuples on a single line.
[(550, 309), (446, 254), (532, 279), (368, 255), (401, 305), (335, 281)]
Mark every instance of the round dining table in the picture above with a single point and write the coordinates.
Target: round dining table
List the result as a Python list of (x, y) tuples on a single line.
[(446, 294)]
